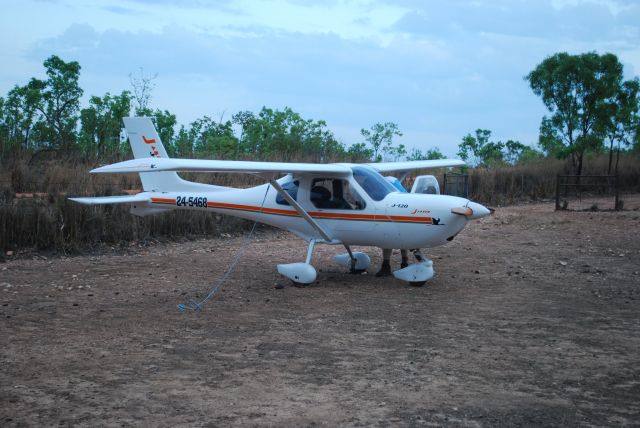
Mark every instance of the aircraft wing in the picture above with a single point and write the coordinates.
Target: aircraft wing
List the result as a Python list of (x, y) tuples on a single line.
[(383, 167), (100, 200), (203, 165)]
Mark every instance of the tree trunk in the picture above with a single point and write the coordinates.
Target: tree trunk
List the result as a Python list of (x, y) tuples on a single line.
[(610, 155), (579, 171)]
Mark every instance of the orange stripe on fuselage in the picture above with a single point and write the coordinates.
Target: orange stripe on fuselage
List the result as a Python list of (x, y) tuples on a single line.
[(163, 201), (252, 208), (314, 214)]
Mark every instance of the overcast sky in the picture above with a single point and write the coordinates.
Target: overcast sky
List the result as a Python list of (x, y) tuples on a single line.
[(439, 69)]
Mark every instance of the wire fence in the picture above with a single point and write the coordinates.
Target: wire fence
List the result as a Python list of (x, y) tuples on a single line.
[(578, 192)]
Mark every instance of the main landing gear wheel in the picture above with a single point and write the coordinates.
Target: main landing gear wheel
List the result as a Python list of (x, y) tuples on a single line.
[(299, 273), (357, 262), (417, 283)]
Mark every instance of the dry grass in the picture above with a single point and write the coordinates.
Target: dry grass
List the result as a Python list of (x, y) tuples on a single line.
[(35, 211), (537, 180), (48, 220)]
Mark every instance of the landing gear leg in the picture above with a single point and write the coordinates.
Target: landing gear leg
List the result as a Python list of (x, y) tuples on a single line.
[(418, 255), (353, 263), (312, 246), (356, 262)]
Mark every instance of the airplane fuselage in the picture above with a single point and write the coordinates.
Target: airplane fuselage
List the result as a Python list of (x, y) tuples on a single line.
[(400, 220)]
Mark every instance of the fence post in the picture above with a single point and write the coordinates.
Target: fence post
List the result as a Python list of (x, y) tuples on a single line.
[(444, 191), (466, 186), (557, 192), (617, 190)]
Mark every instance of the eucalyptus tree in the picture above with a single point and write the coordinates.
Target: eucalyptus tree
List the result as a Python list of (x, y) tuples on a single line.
[(578, 91), (58, 100), (479, 151), (380, 138), (101, 124), (213, 139), (142, 86), (19, 115), (622, 122), (285, 135)]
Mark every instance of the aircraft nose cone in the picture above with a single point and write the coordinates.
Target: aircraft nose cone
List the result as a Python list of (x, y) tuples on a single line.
[(479, 211)]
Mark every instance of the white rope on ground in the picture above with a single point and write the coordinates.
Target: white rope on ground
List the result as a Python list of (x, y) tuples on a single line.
[(195, 305)]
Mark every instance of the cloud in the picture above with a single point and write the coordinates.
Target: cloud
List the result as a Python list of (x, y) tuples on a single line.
[(200, 4), (121, 10), (586, 21), (442, 69), (421, 85)]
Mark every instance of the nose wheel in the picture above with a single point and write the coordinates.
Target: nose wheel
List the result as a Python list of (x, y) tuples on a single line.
[(416, 274)]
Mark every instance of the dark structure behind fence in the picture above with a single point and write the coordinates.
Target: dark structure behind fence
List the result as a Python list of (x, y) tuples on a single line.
[(456, 185)]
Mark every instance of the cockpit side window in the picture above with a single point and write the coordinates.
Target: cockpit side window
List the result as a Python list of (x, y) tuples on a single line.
[(334, 193), (292, 189), (373, 183)]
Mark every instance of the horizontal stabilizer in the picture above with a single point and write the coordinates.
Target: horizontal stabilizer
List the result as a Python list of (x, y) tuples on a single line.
[(129, 199)]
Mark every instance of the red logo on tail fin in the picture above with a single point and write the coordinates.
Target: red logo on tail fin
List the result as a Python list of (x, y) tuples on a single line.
[(154, 153)]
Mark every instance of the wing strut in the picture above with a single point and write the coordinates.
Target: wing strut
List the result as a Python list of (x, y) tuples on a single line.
[(300, 210)]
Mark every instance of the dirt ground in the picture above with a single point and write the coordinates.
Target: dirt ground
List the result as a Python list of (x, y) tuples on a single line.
[(532, 319)]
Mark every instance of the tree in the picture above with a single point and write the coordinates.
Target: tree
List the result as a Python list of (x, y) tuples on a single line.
[(58, 101), (518, 153), (101, 124), (622, 121), (165, 125), (479, 151), (4, 132), (550, 141), (183, 143), (272, 133), (214, 139), (578, 91), (397, 153), (19, 116), (430, 154), (142, 87), (245, 119), (380, 138), (285, 135), (359, 152)]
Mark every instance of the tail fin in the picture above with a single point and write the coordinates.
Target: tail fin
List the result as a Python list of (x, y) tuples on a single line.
[(145, 143)]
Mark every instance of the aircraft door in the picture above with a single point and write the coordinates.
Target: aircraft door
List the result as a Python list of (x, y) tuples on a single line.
[(379, 191), (338, 206)]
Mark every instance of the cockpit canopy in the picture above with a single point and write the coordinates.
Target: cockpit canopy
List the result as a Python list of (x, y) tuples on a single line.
[(372, 182)]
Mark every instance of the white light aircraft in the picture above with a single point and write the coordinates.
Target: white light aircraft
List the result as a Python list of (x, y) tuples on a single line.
[(338, 204)]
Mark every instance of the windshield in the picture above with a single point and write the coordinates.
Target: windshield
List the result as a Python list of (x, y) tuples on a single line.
[(291, 188), (373, 183)]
